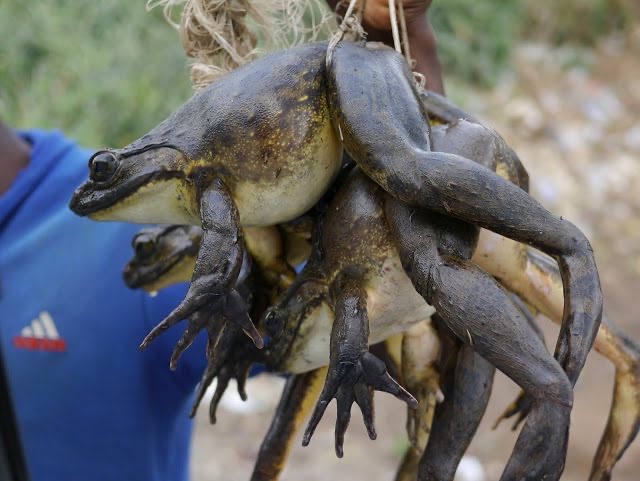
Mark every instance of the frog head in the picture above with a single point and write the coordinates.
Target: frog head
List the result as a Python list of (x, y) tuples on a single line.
[(144, 182), (163, 255)]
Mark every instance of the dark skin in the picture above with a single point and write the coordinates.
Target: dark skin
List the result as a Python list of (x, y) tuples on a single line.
[(348, 339), (609, 341), (15, 154), (466, 383), (350, 334), (382, 132)]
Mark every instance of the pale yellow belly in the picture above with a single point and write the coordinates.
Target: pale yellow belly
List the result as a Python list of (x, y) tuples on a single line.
[(393, 306), (295, 192)]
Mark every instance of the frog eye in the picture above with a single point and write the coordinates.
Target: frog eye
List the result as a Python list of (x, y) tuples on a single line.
[(102, 166), (273, 322), (144, 246)]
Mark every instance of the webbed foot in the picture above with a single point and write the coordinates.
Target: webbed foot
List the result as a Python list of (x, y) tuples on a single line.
[(520, 408), (208, 310), (231, 357), (355, 381)]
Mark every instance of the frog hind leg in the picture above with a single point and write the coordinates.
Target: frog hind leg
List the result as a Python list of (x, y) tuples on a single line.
[(536, 279), (624, 417), (419, 353), (467, 383), (295, 404), (380, 118), (435, 253)]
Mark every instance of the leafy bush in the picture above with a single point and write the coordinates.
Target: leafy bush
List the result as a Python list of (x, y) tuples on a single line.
[(103, 72), (475, 37)]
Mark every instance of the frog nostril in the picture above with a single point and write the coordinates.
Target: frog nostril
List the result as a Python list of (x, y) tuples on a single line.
[(102, 166)]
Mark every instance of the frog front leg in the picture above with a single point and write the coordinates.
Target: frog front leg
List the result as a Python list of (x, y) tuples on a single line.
[(212, 294), (379, 116), (354, 373)]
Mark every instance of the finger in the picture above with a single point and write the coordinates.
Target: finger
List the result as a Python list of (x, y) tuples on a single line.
[(376, 375), (389, 385), (183, 344), (242, 384), (318, 412), (520, 406), (179, 313), (221, 387), (328, 393), (251, 331), (236, 310), (344, 402), (215, 332), (205, 382), (522, 414), (364, 398)]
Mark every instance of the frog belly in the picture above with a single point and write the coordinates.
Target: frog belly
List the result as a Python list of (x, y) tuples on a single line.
[(291, 194), (393, 306)]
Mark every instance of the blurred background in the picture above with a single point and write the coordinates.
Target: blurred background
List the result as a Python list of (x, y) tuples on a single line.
[(558, 80)]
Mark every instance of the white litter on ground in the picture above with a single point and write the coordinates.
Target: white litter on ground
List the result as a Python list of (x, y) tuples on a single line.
[(263, 393), (470, 469)]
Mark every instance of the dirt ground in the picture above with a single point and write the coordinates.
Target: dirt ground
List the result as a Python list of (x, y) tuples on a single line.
[(574, 119)]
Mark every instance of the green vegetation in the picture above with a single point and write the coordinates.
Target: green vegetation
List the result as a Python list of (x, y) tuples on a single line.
[(104, 72)]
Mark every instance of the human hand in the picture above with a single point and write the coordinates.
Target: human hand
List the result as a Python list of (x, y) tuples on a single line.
[(422, 41), (376, 14)]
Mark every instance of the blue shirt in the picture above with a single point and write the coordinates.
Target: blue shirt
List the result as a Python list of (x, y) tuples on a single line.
[(89, 404)]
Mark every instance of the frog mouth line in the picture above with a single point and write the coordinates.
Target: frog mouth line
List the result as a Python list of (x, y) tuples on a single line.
[(87, 199)]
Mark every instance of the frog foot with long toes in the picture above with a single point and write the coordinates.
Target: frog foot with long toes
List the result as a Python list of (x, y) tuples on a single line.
[(229, 358), (354, 373)]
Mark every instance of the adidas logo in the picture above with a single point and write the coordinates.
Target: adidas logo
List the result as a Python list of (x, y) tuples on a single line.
[(40, 335)]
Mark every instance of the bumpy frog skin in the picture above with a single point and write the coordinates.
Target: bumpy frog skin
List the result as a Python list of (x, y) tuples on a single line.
[(263, 144)]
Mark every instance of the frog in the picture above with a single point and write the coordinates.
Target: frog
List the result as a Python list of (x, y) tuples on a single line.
[(275, 129)]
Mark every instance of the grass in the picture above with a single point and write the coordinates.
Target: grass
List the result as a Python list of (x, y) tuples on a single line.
[(103, 72)]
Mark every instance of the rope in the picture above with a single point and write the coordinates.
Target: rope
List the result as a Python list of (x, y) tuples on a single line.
[(221, 35)]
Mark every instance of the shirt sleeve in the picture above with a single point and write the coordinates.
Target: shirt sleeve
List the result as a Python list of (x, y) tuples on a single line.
[(193, 361)]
